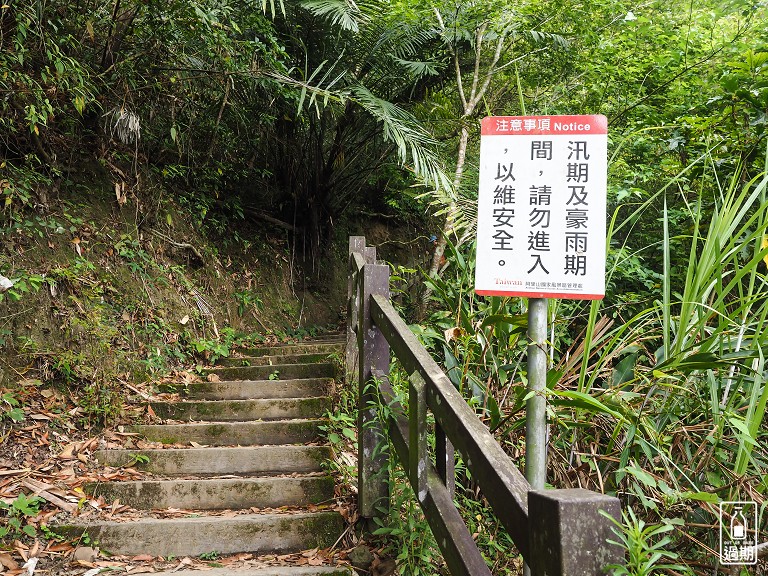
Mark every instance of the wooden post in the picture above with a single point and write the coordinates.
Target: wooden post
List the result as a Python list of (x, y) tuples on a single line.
[(373, 484), (417, 435), (568, 534), (356, 244), (445, 459)]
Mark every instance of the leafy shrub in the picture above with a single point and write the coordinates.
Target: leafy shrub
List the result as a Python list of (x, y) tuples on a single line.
[(10, 408), (16, 512)]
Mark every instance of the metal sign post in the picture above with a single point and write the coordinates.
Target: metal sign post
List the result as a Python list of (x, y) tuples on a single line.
[(536, 406), (541, 232)]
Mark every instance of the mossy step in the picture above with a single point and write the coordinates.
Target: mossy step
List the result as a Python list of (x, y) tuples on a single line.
[(258, 533), (275, 372), (217, 494), (251, 460), (319, 348), (233, 410), (272, 360), (297, 431), (253, 389)]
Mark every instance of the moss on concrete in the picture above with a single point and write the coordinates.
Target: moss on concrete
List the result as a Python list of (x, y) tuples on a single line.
[(239, 410)]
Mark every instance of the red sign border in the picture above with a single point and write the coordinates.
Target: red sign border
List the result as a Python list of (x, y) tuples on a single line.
[(598, 125), (562, 295)]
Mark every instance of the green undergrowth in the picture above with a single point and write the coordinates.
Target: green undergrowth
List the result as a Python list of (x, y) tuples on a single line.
[(16, 513), (658, 399), (111, 293), (401, 529)]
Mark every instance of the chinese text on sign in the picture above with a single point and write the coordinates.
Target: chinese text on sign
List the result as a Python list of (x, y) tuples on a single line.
[(542, 207)]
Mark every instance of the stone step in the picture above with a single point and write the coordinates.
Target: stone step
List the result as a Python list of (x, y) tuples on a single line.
[(338, 338), (258, 533), (310, 348), (248, 389), (252, 460), (244, 389), (297, 431), (272, 360), (232, 410), (268, 571), (275, 372), (217, 494)]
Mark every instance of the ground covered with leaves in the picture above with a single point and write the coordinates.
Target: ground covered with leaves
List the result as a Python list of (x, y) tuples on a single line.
[(47, 459)]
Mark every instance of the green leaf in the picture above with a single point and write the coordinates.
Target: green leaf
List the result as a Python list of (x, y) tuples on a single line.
[(624, 371), (741, 426), (701, 497), (452, 368), (478, 388), (584, 401), (518, 321), (644, 477), (553, 377), (493, 411)]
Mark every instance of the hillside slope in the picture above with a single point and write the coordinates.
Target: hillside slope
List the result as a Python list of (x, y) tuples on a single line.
[(117, 284)]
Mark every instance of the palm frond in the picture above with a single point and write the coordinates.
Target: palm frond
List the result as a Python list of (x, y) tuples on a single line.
[(413, 143), (410, 40), (547, 37), (343, 13), (416, 148), (272, 8), (419, 69)]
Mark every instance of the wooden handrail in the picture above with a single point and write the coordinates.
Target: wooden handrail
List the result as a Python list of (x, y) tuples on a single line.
[(558, 532), (503, 485), (456, 543)]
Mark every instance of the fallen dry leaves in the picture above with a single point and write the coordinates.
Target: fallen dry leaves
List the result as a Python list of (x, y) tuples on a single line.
[(50, 456)]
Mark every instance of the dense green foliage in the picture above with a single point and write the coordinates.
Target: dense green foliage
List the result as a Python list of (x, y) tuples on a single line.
[(307, 112)]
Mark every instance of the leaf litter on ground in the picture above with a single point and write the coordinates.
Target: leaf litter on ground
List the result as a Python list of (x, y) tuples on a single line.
[(49, 456)]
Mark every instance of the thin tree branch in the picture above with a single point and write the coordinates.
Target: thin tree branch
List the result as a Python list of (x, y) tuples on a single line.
[(456, 65), (492, 68), (473, 96)]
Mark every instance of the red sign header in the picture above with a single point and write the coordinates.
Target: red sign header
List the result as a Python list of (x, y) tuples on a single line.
[(544, 125)]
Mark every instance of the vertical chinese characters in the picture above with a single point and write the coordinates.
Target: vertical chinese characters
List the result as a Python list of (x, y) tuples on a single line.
[(577, 208), (503, 210), (540, 200)]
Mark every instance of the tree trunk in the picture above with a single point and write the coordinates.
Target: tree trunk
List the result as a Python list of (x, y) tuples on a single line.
[(479, 86), (449, 224)]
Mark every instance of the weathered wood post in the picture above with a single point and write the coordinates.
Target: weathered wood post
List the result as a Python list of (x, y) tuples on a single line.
[(445, 459), (356, 244), (568, 534), (417, 435), (373, 350)]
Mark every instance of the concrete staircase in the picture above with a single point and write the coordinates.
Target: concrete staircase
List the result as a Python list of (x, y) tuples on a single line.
[(259, 428)]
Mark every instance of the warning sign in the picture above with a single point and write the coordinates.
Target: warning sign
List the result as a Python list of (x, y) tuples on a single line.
[(542, 207)]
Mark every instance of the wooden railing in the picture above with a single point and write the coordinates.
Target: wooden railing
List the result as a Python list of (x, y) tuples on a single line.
[(558, 532)]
